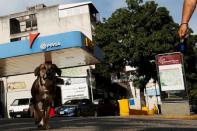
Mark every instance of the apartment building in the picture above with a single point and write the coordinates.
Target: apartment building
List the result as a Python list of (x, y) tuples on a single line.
[(49, 20)]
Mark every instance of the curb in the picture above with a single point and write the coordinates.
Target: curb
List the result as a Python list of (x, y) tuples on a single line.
[(186, 117), (183, 117)]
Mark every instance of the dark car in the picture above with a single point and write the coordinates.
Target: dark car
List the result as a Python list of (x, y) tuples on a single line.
[(107, 107), (78, 107)]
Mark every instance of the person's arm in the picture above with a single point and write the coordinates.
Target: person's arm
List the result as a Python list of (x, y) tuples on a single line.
[(188, 9)]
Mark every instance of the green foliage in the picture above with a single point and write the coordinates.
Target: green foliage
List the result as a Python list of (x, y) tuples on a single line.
[(136, 34), (190, 59)]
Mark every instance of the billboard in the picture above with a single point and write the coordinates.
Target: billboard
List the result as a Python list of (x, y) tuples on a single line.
[(170, 71)]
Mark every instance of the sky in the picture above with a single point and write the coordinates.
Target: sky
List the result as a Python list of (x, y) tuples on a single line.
[(105, 7)]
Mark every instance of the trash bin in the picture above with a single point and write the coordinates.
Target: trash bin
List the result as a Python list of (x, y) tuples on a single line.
[(124, 107)]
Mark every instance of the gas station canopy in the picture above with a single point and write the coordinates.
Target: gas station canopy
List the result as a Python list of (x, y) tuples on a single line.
[(65, 50)]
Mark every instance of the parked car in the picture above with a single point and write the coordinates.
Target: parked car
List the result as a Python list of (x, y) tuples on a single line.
[(108, 107), (77, 107), (20, 108)]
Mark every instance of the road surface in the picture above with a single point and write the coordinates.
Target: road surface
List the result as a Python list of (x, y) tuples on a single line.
[(142, 123)]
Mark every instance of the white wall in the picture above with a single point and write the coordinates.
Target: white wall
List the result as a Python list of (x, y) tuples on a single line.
[(4, 30), (136, 96), (76, 19), (53, 20), (48, 21), (152, 101)]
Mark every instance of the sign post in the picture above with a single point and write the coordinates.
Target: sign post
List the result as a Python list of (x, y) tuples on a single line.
[(170, 68)]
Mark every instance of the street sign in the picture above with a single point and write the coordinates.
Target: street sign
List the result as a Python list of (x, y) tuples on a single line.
[(170, 71)]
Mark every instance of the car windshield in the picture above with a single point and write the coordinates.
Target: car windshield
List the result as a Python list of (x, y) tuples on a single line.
[(72, 102), (18, 102)]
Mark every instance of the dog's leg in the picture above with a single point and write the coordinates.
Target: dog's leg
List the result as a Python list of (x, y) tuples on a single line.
[(39, 114), (31, 107), (41, 124), (36, 115), (47, 116), (46, 113)]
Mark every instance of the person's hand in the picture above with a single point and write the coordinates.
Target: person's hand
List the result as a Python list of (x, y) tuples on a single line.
[(183, 30)]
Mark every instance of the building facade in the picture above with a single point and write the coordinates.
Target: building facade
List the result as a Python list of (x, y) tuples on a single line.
[(49, 20)]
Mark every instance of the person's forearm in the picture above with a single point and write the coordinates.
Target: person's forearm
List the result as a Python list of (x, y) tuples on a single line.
[(188, 9)]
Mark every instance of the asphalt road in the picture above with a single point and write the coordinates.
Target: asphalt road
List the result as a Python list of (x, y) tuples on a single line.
[(141, 123)]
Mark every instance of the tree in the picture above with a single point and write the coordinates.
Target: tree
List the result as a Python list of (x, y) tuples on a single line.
[(190, 59), (136, 34)]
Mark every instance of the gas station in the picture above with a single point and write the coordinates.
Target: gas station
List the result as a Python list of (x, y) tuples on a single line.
[(69, 49)]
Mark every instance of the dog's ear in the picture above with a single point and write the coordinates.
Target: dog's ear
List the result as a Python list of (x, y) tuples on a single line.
[(57, 70), (37, 71)]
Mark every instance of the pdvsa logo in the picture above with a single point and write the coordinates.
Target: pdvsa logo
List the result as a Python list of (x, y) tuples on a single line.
[(45, 46), (32, 38)]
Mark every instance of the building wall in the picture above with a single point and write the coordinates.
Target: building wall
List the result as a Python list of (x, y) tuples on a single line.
[(76, 19), (48, 21), (52, 20), (4, 30)]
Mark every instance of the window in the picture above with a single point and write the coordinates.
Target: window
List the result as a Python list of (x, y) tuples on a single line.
[(15, 103), (31, 22), (19, 102), (15, 39), (23, 24), (23, 102)]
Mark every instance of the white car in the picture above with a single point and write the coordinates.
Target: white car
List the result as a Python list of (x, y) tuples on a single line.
[(20, 108)]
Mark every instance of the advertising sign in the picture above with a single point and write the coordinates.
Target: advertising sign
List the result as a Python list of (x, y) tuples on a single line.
[(170, 71), (75, 88), (42, 44), (15, 85)]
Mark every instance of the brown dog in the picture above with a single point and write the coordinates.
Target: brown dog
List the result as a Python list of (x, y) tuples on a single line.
[(44, 91)]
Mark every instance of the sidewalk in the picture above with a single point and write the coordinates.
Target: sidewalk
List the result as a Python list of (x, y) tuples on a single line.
[(184, 117)]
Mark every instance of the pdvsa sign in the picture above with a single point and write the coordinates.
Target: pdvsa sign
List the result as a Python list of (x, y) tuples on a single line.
[(45, 46)]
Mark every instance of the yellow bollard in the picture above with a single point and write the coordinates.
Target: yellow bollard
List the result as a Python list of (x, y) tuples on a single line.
[(124, 107)]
